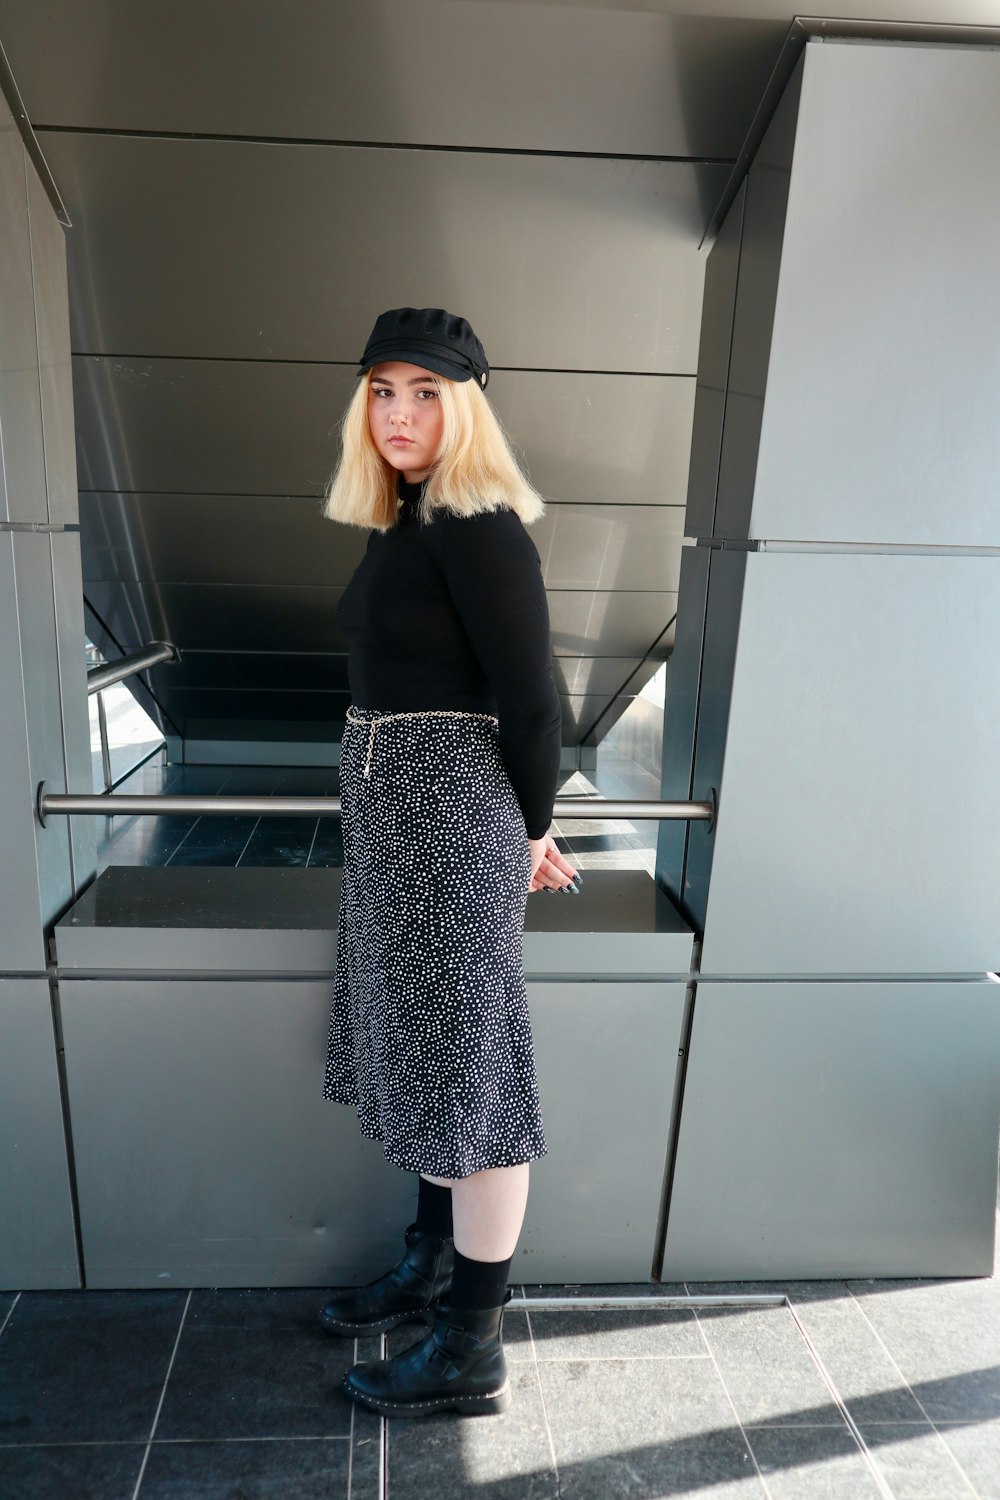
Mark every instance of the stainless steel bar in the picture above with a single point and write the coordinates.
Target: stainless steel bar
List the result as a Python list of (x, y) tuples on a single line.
[(126, 666), (320, 807), (102, 724), (608, 1304)]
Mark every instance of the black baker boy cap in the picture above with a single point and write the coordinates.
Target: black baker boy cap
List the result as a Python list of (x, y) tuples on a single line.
[(430, 337)]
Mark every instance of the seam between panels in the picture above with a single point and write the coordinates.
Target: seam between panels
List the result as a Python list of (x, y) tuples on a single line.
[(881, 1483), (163, 1392), (541, 1397), (917, 1401), (10, 1312), (722, 1381), (350, 1436)]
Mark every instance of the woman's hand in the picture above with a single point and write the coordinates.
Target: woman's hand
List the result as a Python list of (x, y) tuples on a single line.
[(550, 870)]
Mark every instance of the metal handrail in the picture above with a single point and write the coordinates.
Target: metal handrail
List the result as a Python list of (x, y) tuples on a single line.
[(67, 803), (126, 666)]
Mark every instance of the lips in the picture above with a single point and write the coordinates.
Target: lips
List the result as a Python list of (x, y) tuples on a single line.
[(401, 442)]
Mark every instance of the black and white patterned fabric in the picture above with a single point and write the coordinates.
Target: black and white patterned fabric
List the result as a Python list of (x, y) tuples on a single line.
[(430, 1036)]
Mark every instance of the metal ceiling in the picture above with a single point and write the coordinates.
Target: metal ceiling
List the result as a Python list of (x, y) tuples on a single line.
[(247, 186)]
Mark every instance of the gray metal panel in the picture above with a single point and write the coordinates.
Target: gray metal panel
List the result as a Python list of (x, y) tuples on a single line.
[(859, 819), (22, 481), (74, 706), (582, 675), (242, 539), (865, 1138), (575, 242), (55, 375), (764, 212), (717, 313), (615, 78), (722, 636), (600, 439), (624, 547), (35, 875), (680, 716), (37, 1241), (881, 402), (284, 539), (186, 426), (611, 623), (220, 1163), (606, 1056)]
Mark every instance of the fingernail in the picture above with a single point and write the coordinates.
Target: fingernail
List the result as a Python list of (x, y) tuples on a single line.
[(548, 890)]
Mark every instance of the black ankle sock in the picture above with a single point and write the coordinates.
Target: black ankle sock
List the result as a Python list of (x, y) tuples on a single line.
[(478, 1283), (434, 1209)]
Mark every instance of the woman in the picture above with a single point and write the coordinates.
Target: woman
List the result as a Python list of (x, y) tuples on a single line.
[(448, 772)]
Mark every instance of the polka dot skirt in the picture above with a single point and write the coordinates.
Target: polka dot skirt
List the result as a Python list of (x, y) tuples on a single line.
[(430, 1037)]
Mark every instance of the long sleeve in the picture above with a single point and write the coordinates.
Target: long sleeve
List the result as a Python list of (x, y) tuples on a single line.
[(494, 576)]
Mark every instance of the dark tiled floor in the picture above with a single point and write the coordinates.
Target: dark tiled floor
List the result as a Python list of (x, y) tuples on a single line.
[(852, 1390)]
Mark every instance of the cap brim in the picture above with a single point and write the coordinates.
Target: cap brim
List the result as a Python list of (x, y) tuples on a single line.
[(451, 370)]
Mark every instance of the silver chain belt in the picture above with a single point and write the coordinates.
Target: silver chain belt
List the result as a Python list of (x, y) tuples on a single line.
[(418, 713)]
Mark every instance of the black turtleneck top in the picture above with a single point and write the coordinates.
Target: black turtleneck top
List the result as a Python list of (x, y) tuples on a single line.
[(453, 614)]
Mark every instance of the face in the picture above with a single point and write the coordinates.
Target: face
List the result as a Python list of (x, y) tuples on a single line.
[(405, 417)]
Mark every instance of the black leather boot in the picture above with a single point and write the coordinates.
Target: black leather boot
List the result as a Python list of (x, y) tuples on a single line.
[(460, 1365), (408, 1291)]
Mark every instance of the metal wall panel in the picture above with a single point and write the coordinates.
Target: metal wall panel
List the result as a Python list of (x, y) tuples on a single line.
[(623, 547), (722, 635), (880, 423), (562, 251), (717, 311), (220, 1164), (859, 820), (533, 76), (845, 1129), (37, 1240), (35, 874), (71, 664), (606, 1054), (761, 259), (680, 717), (55, 376), (597, 438), (22, 481)]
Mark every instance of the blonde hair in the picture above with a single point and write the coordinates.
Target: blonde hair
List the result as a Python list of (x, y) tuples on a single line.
[(474, 468)]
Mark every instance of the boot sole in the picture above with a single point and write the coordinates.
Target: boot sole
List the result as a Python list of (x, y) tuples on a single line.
[(378, 1325), (489, 1405)]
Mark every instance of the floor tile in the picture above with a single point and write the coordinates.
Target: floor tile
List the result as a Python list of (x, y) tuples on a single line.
[(448, 1457), (71, 1471), (976, 1446), (256, 1364), (649, 1289), (916, 1462), (516, 1338), (645, 1428), (767, 1368), (945, 1338), (866, 1378), (616, 1334), (812, 1463), (86, 1366), (307, 1469)]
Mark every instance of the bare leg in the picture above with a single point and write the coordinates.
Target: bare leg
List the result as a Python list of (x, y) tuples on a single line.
[(488, 1210)]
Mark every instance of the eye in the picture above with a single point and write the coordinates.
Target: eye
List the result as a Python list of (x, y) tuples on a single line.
[(380, 390), (428, 391)]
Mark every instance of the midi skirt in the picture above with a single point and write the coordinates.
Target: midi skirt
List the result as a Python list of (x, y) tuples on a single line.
[(430, 1037)]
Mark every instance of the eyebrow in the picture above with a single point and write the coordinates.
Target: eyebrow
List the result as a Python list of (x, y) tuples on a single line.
[(417, 380)]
